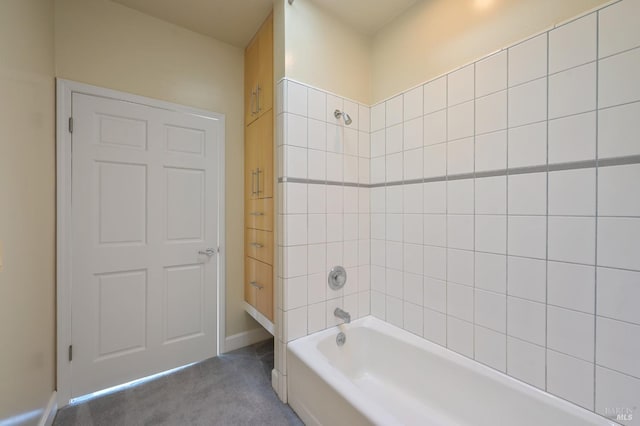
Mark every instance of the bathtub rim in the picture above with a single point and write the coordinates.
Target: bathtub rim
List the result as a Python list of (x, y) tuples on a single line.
[(306, 351)]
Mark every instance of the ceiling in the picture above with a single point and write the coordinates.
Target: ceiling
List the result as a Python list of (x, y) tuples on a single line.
[(367, 16), (230, 21), (236, 21)]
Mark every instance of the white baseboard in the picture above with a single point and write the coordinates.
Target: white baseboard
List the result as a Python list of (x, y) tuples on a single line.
[(246, 338), (49, 413)]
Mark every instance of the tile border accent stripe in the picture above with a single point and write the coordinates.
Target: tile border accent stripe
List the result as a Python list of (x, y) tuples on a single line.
[(575, 165)]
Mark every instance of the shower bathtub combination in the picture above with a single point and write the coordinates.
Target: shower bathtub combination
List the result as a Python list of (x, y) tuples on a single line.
[(385, 375)]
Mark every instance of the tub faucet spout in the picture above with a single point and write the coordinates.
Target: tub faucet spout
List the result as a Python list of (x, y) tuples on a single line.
[(343, 315)]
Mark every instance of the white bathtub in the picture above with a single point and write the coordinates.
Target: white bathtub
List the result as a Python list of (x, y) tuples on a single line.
[(385, 375)]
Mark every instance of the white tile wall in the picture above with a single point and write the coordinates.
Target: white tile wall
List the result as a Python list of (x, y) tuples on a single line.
[(527, 260)]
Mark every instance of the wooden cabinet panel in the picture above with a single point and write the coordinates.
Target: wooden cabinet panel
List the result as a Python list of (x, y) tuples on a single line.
[(251, 58), (259, 245), (259, 286), (264, 172), (259, 214), (265, 67)]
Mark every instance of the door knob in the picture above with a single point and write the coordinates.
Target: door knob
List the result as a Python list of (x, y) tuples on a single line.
[(208, 252)]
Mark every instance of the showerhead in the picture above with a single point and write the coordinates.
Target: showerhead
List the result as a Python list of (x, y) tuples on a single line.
[(347, 120)]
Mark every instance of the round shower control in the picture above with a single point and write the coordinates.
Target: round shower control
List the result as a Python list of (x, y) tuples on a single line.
[(337, 277)]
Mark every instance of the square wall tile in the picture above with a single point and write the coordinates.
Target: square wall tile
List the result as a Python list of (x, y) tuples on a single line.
[(491, 74), (528, 103), (413, 258), (364, 118), (394, 199), (413, 164), (317, 137), (353, 110), (296, 130), (435, 327), (295, 293), (619, 131), (435, 294), (571, 286), (378, 305), (296, 98), (459, 266), (528, 60), (413, 198), (573, 192), (460, 156), (526, 362), (413, 228), (528, 145), (435, 230), (393, 139), (491, 195), (460, 120), (618, 81), (460, 232), (413, 288), (572, 91), (395, 311), (491, 310), (491, 151), (571, 332), (350, 141), (574, 43), (435, 262), (435, 160), (378, 143), (461, 85), (527, 236), (435, 95), (393, 111), (394, 167), (572, 239), (460, 336), (618, 28), (295, 323), (491, 272), (491, 112), (491, 233), (619, 294), (295, 162), (378, 117), (526, 320), (460, 196), (615, 390), (528, 194), (435, 197), (435, 127), (316, 317), (295, 198), (618, 190), (317, 232), (618, 346), (619, 242), (413, 103), (527, 278), (317, 165), (413, 321), (317, 104), (412, 134), (572, 138), (491, 348), (570, 379), (335, 167)]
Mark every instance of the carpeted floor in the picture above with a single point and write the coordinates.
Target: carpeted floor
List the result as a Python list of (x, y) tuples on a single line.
[(232, 389)]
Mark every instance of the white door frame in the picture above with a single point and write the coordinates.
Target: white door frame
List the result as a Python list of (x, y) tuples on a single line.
[(64, 91)]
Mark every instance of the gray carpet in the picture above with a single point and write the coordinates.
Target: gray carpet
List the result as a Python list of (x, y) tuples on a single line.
[(232, 389)]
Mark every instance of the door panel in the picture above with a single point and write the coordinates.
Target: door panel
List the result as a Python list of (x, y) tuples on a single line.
[(145, 203)]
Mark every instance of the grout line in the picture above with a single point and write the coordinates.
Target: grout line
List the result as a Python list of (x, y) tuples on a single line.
[(546, 267), (595, 261), (506, 243)]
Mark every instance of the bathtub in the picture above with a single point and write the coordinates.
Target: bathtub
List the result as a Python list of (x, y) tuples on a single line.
[(385, 375)]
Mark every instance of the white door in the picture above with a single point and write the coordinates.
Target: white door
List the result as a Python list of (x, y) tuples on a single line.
[(144, 214)]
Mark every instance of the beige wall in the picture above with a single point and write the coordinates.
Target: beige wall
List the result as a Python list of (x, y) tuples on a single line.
[(105, 44), (436, 36), (27, 206), (322, 51)]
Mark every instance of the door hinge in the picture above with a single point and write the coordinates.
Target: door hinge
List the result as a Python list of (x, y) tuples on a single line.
[(70, 353), (70, 124)]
